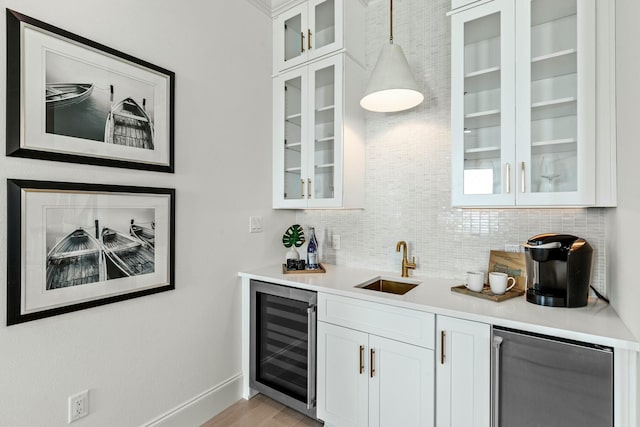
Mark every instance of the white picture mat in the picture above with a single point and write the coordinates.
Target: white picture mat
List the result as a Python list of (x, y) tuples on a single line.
[(35, 296), (36, 43)]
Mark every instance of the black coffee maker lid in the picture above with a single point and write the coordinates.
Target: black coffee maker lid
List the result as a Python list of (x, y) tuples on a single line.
[(551, 241)]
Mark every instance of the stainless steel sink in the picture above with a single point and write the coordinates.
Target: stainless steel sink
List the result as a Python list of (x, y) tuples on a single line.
[(389, 286)]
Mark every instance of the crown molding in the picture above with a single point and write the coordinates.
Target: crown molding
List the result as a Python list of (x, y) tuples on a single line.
[(263, 5), (275, 7)]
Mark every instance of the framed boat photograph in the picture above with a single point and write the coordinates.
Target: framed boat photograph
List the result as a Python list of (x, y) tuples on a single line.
[(72, 246), (72, 99)]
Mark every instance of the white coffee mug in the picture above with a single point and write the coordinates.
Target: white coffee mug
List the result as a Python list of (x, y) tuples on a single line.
[(499, 281), (475, 281)]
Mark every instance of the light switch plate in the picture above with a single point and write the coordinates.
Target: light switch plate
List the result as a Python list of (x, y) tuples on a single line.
[(255, 224)]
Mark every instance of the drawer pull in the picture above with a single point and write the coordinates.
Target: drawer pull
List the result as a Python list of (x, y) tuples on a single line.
[(361, 359), (442, 337)]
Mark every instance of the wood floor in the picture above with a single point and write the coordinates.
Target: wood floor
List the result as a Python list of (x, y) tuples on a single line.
[(260, 412)]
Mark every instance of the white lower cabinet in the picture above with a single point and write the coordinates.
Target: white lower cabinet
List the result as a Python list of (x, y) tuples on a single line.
[(342, 382), (463, 380), (368, 380)]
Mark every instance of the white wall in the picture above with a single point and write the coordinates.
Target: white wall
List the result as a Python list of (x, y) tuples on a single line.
[(408, 172), (625, 220), (142, 357)]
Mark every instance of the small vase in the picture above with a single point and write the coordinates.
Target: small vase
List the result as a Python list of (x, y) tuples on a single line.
[(293, 254)]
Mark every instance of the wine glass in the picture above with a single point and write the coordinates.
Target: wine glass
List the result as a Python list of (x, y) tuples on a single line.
[(549, 171)]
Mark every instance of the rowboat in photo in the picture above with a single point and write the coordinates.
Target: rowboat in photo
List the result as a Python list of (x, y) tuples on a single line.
[(128, 124), (77, 259), (146, 234), (64, 94), (126, 256)]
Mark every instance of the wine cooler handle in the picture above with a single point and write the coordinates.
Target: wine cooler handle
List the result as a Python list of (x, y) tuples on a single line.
[(311, 356), (361, 359), (495, 419), (372, 362)]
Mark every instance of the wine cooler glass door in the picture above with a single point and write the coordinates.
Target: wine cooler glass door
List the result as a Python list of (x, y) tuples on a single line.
[(283, 345)]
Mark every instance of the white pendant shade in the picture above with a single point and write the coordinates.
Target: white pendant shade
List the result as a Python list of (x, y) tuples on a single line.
[(392, 86)]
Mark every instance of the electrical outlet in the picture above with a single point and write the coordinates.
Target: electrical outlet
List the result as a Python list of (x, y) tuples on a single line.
[(512, 248), (78, 406), (335, 242), (255, 224)]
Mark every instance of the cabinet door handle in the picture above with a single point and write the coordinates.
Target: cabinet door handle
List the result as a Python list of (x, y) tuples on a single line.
[(442, 337), (495, 419), (309, 39), (361, 359), (522, 177), (507, 178), (308, 188), (372, 353), (302, 41), (302, 188)]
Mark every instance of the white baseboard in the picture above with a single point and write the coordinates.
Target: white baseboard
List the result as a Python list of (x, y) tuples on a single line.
[(202, 407)]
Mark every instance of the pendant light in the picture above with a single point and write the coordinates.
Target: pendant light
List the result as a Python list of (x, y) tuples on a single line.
[(391, 86)]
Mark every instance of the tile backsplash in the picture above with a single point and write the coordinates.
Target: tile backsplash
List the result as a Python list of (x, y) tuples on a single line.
[(408, 174)]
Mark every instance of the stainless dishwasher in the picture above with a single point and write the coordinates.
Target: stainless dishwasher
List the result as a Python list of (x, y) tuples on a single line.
[(544, 381), (283, 345)]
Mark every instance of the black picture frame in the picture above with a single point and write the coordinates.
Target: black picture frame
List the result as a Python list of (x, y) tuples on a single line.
[(30, 111), (37, 212)]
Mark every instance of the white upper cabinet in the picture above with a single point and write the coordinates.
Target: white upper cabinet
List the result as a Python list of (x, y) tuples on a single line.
[(525, 128), (318, 145), (315, 28), (317, 130)]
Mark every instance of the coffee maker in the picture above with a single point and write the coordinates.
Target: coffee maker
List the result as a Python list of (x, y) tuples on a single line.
[(558, 270)]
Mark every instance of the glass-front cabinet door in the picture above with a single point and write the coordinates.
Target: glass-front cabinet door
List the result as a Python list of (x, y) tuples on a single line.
[(308, 31), (483, 113), (523, 104), (325, 139), (556, 112), (308, 148), (290, 120)]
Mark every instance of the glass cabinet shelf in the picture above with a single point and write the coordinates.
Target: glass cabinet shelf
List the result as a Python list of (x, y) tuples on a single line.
[(295, 119), (295, 146), (488, 78), (294, 169), (568, 145), (325, 139), (325, 166)]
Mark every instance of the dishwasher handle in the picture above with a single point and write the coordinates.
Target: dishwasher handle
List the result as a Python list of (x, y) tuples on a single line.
[(495, 418)]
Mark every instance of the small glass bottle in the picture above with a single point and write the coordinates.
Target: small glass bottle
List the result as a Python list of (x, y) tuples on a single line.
[(312, 251)]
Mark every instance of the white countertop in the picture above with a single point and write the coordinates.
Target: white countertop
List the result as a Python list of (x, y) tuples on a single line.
[(596, 323)]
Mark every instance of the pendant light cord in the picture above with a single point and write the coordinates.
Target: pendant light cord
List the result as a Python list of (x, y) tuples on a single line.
[(391, 21)]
